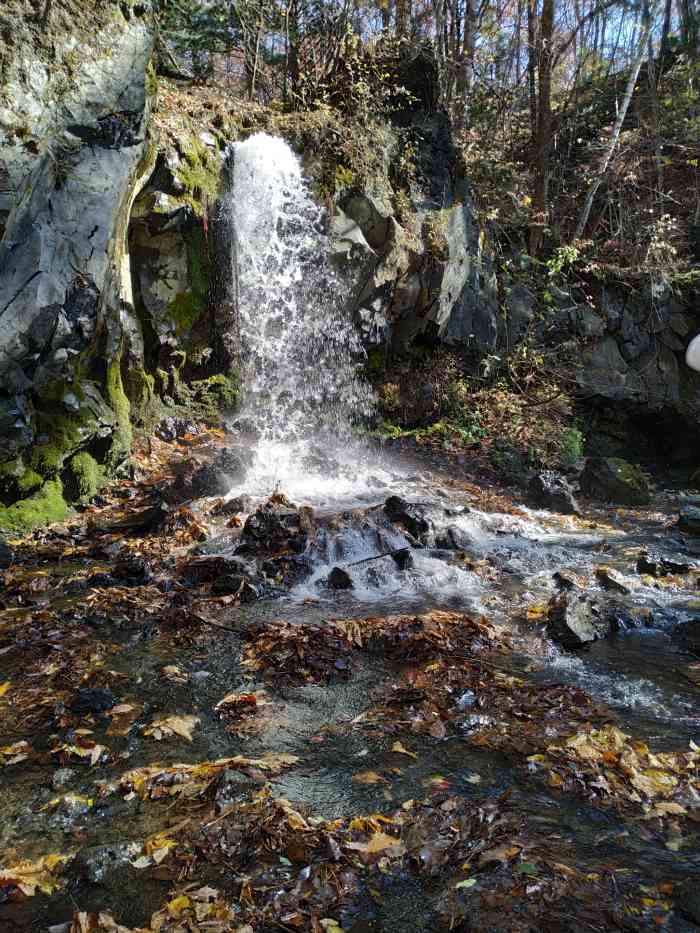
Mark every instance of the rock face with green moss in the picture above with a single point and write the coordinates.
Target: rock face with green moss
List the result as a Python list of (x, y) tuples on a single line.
[(74, 148), (612, 479)]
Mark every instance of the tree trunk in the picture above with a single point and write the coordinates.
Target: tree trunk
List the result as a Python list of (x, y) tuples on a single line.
[(544, 124), (621, 114)]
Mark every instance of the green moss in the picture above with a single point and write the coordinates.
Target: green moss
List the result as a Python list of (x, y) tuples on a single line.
[(216, 394), (117, 398), (85, 477), (44, 507), (184, 310), (140, 388), (199, 172)]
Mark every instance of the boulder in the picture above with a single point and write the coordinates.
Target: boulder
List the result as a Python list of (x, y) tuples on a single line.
[(339, 579), (612, 479), (196, 480), (574, 620), (549, 490)]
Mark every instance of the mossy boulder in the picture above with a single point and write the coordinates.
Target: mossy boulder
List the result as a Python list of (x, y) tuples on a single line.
[(47, 505), (612, 479), (84, 477)]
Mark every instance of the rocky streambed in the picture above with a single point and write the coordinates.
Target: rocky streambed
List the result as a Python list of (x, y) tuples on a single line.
[(416, 703)]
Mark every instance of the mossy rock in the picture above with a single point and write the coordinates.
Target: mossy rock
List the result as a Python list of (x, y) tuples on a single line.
[(44, 507), (122, 437), (612, 479), (84, 477)]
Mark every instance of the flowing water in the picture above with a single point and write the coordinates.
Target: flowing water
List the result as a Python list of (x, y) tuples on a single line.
[(304, 399)]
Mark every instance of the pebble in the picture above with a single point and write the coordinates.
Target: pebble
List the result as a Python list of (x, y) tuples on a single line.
[(200, 675)]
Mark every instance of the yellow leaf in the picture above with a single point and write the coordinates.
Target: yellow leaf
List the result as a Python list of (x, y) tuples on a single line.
[(369, 777), (4, 688), (176, 906), (400, 750)]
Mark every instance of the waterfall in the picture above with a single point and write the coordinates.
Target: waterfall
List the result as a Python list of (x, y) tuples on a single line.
[(301, 354)]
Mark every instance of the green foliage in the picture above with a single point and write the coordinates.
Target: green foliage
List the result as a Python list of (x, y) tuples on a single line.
[(563, 257), (571, 446)]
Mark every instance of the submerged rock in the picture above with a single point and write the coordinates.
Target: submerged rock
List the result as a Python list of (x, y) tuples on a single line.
[(611, 479), (574, 619), (92, 700), (655, 566), (552, 491)]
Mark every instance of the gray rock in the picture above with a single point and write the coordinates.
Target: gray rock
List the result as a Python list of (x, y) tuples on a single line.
[(612, 479), (552, 491), (574, 620)]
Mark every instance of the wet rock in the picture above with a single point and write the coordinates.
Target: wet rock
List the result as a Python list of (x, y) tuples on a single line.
[(655, 566), (454, 538), (574, 619), (95, 863), (171, 428), (568, 580), (276, 526), (235, 585), (549, 490), (339, 579), (403, 558), (133, 569), (138, 522), (212, 567), (611, 479), (235, 506), (6, 556), (194, 480), (92, 700), (689, 519), (411, 516), (612, 580)]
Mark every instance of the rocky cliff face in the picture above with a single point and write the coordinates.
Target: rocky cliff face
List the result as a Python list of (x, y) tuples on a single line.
[(73, 148)]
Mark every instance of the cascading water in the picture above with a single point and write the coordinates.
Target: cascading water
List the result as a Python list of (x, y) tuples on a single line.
[(301, 354)]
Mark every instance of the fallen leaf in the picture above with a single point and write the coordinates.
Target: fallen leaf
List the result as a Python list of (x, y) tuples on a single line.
[(369, 777), (172, 725), (400, 750)]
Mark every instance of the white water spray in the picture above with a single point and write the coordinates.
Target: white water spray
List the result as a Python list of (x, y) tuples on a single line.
[(302, 356)]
